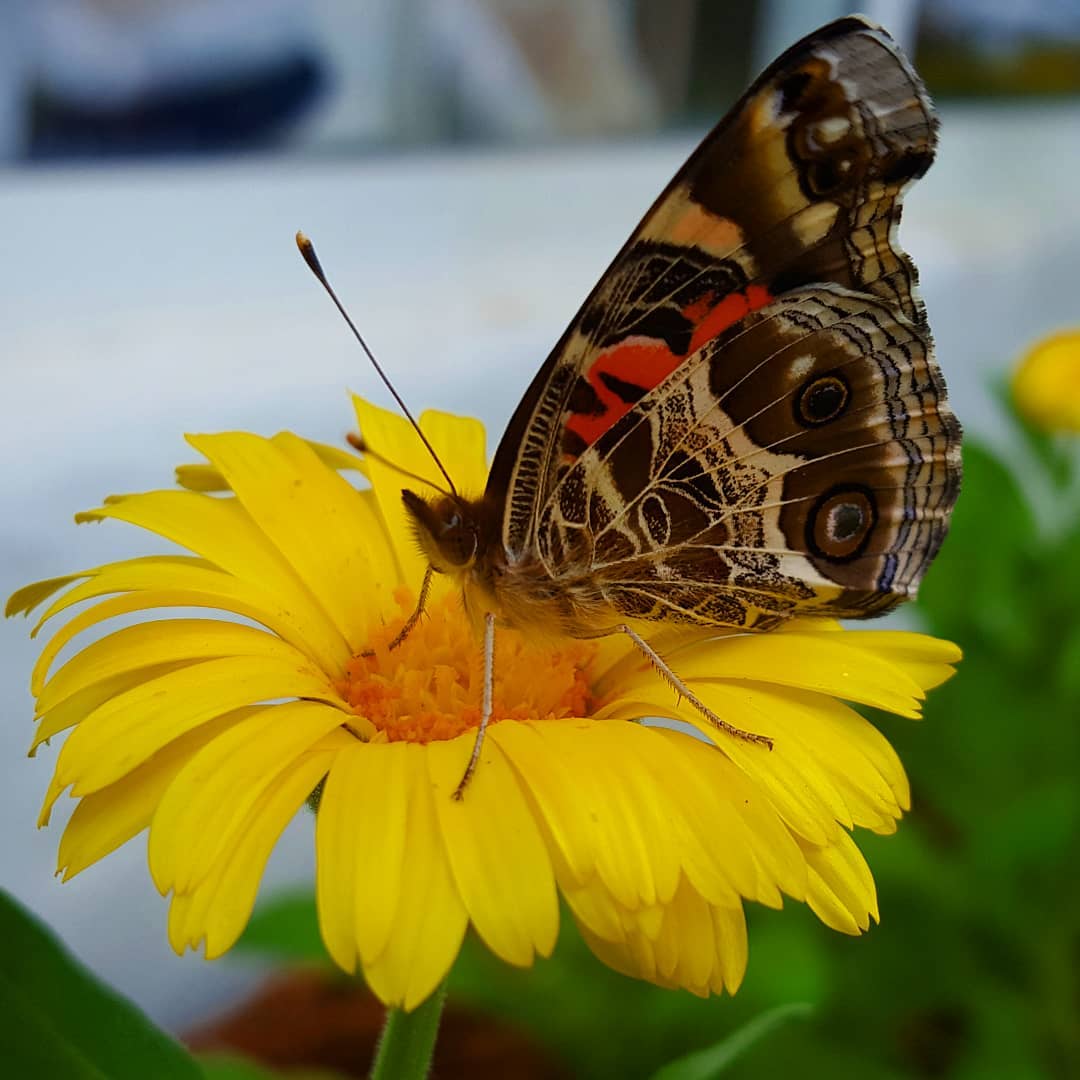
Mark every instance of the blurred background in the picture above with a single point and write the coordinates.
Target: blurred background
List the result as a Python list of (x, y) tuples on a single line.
[(467, 168)]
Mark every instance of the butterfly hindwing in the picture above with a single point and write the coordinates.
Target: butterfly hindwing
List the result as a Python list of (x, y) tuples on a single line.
[(796, 463)]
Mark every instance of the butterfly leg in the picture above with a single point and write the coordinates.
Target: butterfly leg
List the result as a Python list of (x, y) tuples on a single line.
[(684, 691), (414, 618), (485, 712)]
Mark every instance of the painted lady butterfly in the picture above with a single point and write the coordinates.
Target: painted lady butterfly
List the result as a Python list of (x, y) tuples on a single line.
[(744, 422)]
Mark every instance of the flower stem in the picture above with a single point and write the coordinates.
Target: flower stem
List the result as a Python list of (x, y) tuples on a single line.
[(408, 1040)]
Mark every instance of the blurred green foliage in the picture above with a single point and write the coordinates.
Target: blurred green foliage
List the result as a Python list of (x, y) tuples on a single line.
[(974, 972), (57, 1020)]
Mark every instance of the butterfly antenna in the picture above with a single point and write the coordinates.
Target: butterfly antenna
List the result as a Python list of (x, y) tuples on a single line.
[(307, 249), (357, 443)]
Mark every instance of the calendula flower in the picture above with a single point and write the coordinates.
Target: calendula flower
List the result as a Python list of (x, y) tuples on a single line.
[(212, 733), (1046, 383)]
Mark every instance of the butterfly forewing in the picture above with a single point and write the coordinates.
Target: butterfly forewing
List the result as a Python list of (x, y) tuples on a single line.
[(745, 419)]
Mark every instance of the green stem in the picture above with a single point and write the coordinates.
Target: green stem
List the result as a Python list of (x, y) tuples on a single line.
[(408, 1040)]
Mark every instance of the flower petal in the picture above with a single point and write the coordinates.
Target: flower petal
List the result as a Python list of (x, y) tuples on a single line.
[(316, 519), (104, 820), (124, 731), (800, 799), (928, 660), (162, 642), (707, 823), (180, 582), (841, 889), (544, 780), (361, 837), (24, 600), (224, 533), (430, 917), (218, 910), (205, 477), (698, 947), (76, 708), (753, 827), (461, 443), (605, 828), (214, 791), (495, 851), (824, 662)]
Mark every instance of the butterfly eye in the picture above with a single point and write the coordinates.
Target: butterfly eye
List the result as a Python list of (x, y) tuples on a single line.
[(821, 400)]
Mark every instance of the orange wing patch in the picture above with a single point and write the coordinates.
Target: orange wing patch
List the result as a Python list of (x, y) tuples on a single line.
[(620, 375)]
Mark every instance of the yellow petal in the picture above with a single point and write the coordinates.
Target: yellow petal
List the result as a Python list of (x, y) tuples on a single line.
[(431, 918), (126, 730), (495, 851), (144, 572), (860, 765), (315, 519), (101, 822), (461, 443), (362, 836), (183, 583), (698, 947), (823, 662), (213, 793), (841, 889), (76, 708), (218, 910), (752, 827), (595, 909), (543, 777), (818, 745), (206, 478), (154, 643), (223, 533), (606, 828), (24, 600), (1046, 383), (781, 772), (928, 660), (700, 811), (732, 950)]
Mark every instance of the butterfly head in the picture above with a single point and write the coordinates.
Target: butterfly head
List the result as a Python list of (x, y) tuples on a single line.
[(447, 529)]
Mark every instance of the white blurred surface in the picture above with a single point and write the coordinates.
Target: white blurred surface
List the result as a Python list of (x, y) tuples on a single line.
[(139, 302)]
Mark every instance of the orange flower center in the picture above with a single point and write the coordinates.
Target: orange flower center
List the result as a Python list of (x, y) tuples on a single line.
[(431, 686)]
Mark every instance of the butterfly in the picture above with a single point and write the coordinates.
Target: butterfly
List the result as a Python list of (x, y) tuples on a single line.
[(744, 422)]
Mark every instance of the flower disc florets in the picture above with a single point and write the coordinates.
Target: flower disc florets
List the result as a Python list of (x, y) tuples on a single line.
[(430, 686)]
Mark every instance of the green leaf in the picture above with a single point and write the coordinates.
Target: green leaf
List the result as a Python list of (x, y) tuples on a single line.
[(286, 928), (705, 1064), (57, 1020)]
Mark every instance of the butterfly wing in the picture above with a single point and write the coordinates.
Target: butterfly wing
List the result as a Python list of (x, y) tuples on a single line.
[(797, 463), (771, 253)]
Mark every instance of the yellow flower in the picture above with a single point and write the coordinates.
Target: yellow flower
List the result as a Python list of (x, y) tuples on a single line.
[(1046, 383), (212, 733)]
